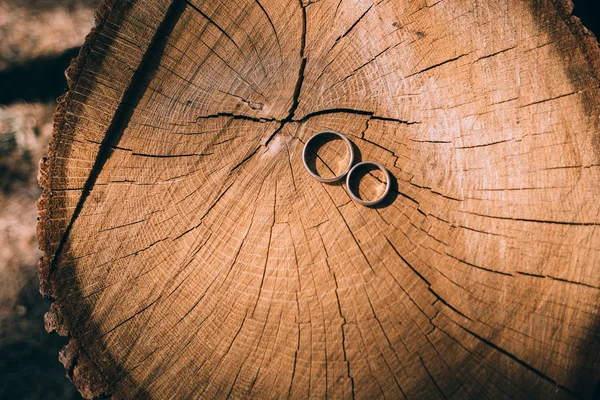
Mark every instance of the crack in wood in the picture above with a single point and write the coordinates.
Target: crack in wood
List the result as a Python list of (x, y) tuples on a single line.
[(352, 26), (295, 95), (122, 116), (532, 220), (436, 65), (519, 361), (213, 23)]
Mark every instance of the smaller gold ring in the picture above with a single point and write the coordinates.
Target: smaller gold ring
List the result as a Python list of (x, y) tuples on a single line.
[(387, 183)]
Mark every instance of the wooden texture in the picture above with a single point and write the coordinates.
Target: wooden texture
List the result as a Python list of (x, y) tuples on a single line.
[(190, 255)]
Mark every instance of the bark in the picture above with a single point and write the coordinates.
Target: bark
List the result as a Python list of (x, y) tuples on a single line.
[(191, 256)]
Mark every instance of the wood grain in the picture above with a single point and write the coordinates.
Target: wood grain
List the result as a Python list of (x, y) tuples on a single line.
[(191, 256)]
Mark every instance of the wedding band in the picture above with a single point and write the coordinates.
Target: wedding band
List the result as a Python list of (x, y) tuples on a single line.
[(387, 183), (313, 173)]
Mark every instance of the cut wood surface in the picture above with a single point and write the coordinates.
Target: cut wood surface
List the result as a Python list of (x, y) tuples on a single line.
[(190, 255)]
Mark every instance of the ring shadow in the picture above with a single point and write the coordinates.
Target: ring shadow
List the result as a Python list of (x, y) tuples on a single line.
[(311, 161)]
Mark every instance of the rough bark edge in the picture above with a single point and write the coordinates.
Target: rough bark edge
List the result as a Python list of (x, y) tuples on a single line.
[(587, 40), (82, 372), (590, 48), (79, 368), (72, 75)]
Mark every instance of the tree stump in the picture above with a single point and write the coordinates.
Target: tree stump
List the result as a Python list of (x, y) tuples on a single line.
[(190, 255)]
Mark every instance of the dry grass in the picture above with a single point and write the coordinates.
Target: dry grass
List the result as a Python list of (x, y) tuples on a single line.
[(32, 31), (24, 133), (29, 367), (34, 28)]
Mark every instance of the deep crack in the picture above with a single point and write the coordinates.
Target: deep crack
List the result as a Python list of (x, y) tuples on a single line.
[(299, 81)]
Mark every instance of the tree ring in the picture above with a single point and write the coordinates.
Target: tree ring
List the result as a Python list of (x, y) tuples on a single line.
[(314, 173), (387, 183)]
